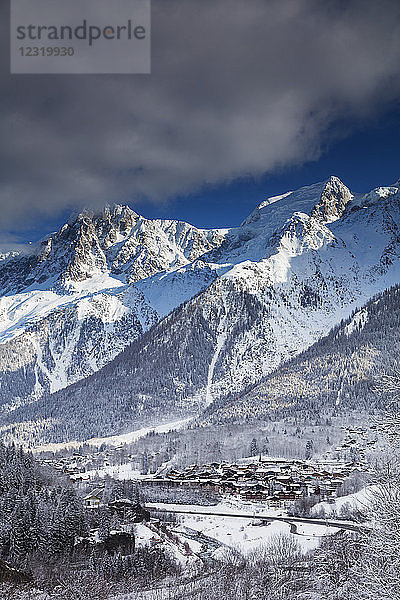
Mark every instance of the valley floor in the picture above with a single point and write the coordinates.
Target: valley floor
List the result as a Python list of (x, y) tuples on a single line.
[(241, 533)]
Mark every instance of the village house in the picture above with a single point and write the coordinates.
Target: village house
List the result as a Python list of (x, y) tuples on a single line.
[(93, 499)]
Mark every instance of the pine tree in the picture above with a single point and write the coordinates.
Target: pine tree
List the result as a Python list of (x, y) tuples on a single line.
[(253, 447), (309, 449)]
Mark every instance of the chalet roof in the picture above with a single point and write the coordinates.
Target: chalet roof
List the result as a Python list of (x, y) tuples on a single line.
[(96, 493), (121, 501)]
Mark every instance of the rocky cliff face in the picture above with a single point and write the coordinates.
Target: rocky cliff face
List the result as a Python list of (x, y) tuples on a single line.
[(70, 307), (332, 204), (117, 241)]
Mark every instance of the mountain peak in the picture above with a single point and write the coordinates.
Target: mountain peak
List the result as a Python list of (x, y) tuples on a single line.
[(110, 212), (333, 200), (117, 210), (334, 179)]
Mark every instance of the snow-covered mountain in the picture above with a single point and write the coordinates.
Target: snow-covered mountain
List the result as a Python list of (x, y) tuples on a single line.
[(297, 265), (70, 307), (236, 303)]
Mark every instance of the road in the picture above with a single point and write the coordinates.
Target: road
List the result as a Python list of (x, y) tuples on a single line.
[(261, 517)]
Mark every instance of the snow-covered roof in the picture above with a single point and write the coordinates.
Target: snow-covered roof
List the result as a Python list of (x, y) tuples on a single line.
[(96, 493)]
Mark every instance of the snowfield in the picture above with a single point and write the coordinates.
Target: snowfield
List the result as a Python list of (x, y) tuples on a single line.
[(240, 532), (244, 536), (360, 500), (116, 440), (20, 311)]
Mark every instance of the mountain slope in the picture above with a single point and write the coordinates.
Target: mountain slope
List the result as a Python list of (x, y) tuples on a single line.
[(296, 267), (337, 374), (303, 276)]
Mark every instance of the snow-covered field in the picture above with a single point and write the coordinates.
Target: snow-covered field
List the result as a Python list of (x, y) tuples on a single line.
[(121, 472), (242, 533), (244, 536), (360, 501), (115, 440)]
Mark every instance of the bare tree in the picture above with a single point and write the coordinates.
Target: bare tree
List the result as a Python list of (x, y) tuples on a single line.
[(378, 569)]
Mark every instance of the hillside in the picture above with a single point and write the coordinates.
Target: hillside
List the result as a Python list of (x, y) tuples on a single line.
[(338, 374)]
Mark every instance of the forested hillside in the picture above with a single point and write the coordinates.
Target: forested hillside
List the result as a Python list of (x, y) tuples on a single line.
[(337, 374), (47, 540)]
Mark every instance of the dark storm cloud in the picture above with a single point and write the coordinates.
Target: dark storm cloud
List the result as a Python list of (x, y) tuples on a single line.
[(237, 87)]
